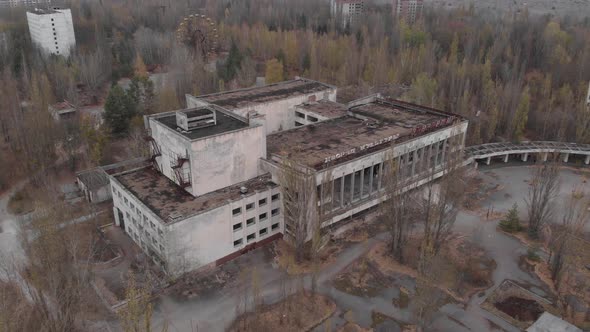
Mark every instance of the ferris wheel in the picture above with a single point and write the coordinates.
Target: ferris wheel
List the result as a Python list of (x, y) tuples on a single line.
[(199, 32)]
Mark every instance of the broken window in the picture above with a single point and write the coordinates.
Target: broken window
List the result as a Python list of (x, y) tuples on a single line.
[(251, 237), (274, 226), (249, 206), (262, 217), (275, 212), (262, 202), (236, 211), (275, 197), (250, 221), (237, 227), (237, 242), (263, 231)]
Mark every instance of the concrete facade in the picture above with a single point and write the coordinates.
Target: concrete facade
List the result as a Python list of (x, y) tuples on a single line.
[(349, 11), (215, 192), (279, 112), (52, 30), (28, 3), (357, 184), (203, 239), (409, 10), (238, 150)]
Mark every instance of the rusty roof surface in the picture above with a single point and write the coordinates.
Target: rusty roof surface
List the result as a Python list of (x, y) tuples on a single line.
[(258, 95), (172, 203), (325, 108), (62, 105), (371, 127)]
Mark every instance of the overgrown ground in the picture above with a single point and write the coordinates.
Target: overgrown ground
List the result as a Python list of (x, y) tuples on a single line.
[(516, 305), (462, 268), (299, 312)]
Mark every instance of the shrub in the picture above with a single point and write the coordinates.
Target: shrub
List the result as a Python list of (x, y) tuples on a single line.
[(532, 254), (511, 223)]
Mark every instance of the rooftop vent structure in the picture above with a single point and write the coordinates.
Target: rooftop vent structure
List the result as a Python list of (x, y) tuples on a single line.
[(243, 190), (195, 118)]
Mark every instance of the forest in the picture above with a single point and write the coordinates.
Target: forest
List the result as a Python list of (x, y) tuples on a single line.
[(515, 76)]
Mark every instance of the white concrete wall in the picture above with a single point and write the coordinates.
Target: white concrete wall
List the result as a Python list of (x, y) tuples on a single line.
[(305, 120), (171, 144), (205, 238), (280, 114), (54, 32), (202, 239), (216, 161), (143, 226), (226, 159), (102, 194)]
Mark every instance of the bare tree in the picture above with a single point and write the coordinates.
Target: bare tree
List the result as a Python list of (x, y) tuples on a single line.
[(442, 201), (543, 189), (136, 315), (575, 216), (300, 205), (94, 70), (396, 210), (57, 276)]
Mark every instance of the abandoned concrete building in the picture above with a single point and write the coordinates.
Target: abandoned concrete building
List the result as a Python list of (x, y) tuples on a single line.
[(213, 189)]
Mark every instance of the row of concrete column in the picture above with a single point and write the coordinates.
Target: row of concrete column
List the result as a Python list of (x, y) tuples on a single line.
[(544, 155), (364, 183)]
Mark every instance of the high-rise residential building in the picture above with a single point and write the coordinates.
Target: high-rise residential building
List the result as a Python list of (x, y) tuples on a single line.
[(410, 10), (15, 3), (348, 11), (52, 30)]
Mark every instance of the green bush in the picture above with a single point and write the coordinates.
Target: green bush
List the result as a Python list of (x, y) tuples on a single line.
[(532, 254), (511, 223)]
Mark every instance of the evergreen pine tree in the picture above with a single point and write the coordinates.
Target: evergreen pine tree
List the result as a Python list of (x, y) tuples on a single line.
[(119, 108), (233, 62), (511, 222)]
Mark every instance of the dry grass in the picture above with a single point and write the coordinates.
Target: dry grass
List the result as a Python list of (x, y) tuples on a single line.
[(362, 278), (457, 258), (21, 203), (285, 257), (298, 312), (352, 327)]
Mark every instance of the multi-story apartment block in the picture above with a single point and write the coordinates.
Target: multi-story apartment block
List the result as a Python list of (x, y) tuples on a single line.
[(349, 12), (410, 10), (52, 30)]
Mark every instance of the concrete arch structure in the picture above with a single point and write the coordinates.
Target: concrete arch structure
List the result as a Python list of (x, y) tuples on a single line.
[(488, 151)]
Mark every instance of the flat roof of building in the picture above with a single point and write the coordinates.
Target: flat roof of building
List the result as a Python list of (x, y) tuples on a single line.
[(258, 95), (325, 108), (62, 105), (225, 123), (44, 11), (550, 323), (93, 178), (172, 203), (371, 127)]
